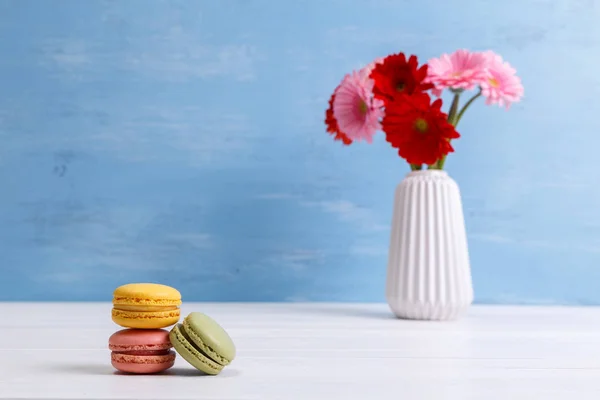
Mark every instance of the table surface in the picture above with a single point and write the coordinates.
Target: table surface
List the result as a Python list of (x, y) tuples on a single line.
[(315, 351)]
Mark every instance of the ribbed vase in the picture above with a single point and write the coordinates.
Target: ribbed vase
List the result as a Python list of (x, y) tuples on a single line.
[(428, 276)]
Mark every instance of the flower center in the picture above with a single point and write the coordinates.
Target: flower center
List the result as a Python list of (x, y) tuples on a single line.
[(400, 86), (421, 125), (362, 107), (494, 82)]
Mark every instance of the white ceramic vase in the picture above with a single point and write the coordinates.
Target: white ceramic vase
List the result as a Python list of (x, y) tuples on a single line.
[(428, 276)]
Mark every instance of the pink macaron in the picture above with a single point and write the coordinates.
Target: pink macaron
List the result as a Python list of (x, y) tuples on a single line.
[(141, 351)]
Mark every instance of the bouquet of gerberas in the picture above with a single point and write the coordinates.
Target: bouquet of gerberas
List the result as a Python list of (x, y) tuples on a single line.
[(397, 95)]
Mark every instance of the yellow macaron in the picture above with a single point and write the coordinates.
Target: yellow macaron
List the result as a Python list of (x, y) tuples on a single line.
[(146, 306)]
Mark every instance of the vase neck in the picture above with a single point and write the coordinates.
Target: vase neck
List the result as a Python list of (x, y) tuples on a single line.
[(428, 172)]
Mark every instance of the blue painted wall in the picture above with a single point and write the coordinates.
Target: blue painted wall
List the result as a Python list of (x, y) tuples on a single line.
[(183, 142)]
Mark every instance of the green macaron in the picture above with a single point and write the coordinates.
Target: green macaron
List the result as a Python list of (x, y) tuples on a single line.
[(203, 343)]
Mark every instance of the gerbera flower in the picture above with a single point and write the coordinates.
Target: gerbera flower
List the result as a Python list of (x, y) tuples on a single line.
[(418, 129), (366, 71), (332, 125), (502, 86), (396, 75), (354, 108), (460, 70)]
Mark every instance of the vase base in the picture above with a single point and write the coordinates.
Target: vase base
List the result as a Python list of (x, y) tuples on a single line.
[(427, 311)]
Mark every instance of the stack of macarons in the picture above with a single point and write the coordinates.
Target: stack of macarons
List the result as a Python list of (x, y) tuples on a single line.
[(144, 308), (145, 348)]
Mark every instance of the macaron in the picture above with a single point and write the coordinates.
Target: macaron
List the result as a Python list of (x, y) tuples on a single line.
[(203, 343), (141, 351), (146, 306)]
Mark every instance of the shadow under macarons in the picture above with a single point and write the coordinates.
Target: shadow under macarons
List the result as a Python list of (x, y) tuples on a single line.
[(192, 372), (81, 369), (91, 369)]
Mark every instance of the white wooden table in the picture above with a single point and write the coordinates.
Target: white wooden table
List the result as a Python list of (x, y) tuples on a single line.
[(315, 351)]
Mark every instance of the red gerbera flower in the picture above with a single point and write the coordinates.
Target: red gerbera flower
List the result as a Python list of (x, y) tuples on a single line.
[(418, 129), (332, 125), (396, 75)]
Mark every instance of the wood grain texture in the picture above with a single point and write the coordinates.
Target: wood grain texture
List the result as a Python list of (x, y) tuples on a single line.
[(141, 138), (315, 351)]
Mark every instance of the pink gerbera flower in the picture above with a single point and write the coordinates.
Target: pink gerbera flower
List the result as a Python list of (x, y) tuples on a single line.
[(460, 70), (501, 86), (357, 113), (366, 71)]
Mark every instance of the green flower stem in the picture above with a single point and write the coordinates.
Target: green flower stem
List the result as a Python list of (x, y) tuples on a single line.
[(451, 117), (453, 108), (455, 119), (467, 104), (415, 167), (441, 162)]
